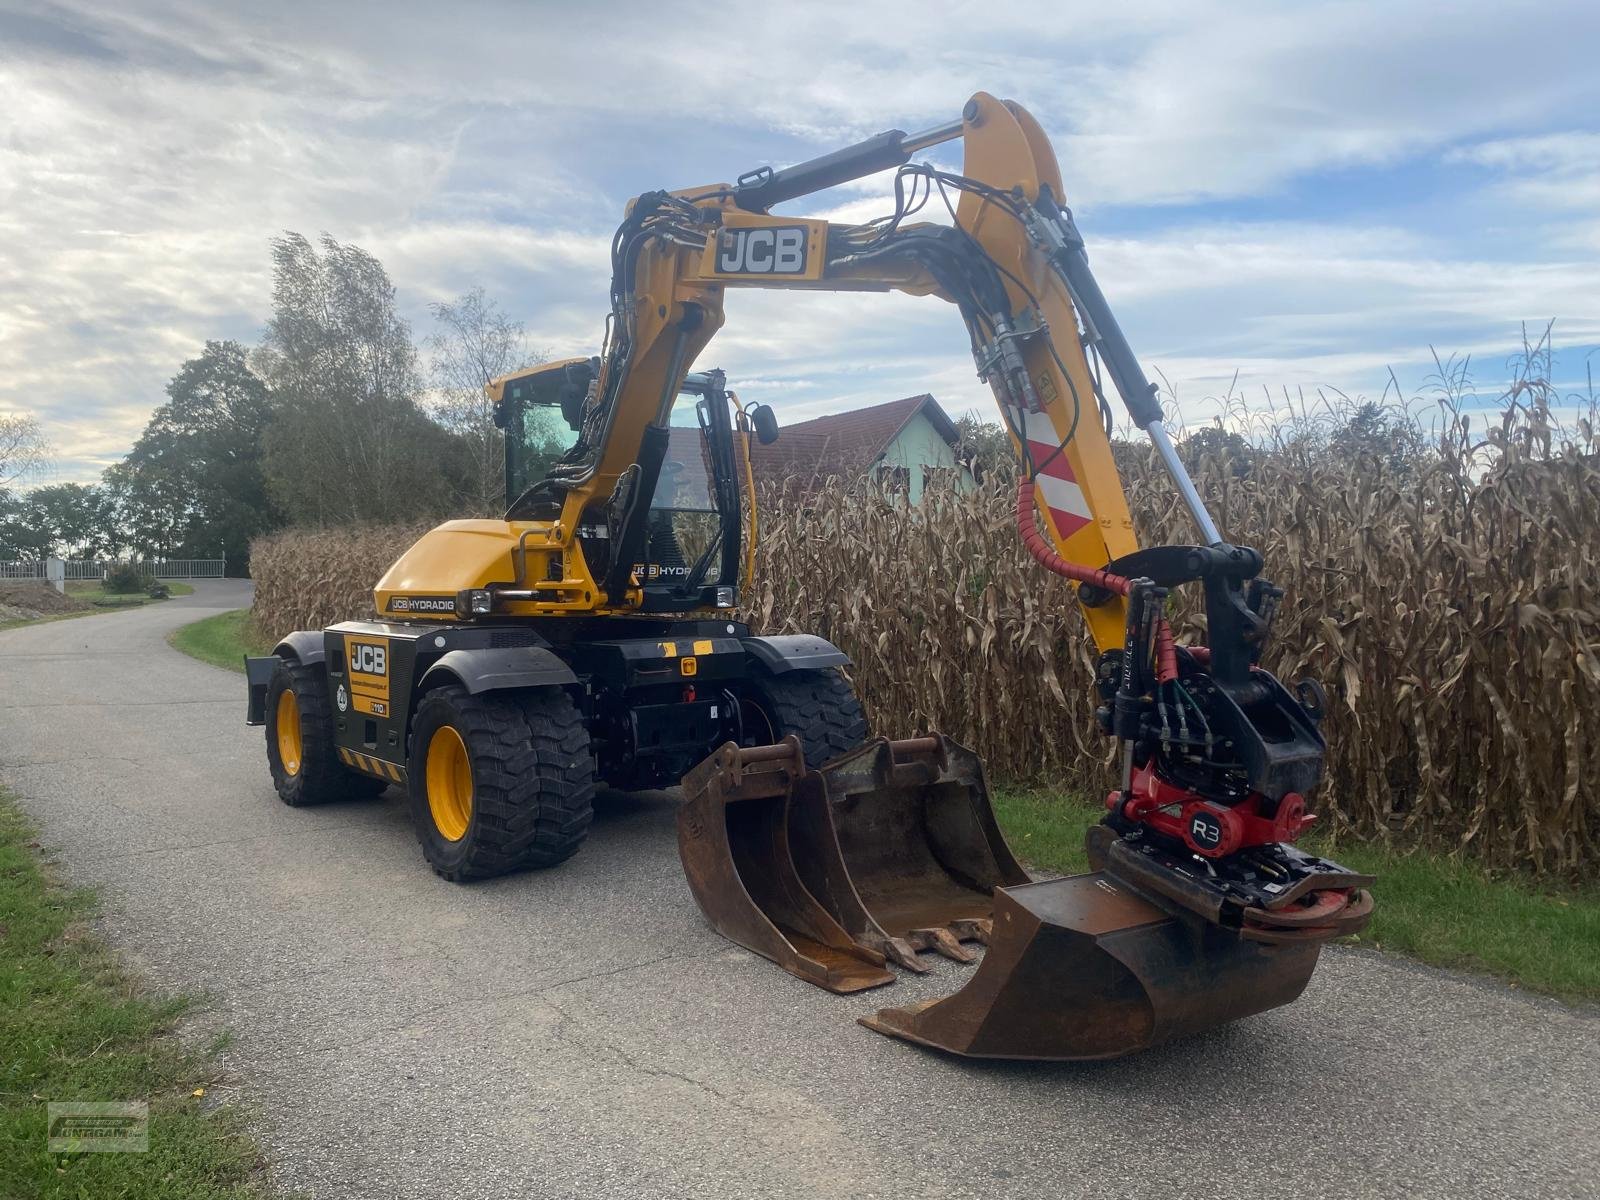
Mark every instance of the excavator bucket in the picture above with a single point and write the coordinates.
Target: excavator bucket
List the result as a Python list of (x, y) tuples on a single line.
[(733, 839), (898, 842), (1084, 967), (1110, 963), (893, 849)]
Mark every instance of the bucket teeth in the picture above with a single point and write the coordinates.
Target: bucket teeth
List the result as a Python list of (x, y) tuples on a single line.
[(975, 929), (903, 954), (941, 941)]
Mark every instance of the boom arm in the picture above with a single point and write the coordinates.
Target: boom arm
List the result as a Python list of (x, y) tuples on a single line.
[(1217, 755), (1013, 266)]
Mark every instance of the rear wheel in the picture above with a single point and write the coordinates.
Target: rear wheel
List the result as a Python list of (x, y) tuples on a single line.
[(818, 707), (499, 781), (300, 741)]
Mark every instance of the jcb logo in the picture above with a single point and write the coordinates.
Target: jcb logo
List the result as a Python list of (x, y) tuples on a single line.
[(768, 251), (369, 659)]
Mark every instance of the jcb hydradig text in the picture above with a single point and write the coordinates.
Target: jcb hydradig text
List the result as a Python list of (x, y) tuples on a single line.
[(592, 635)]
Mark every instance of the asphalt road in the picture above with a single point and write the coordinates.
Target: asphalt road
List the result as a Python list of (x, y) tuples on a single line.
[(581, 1032)]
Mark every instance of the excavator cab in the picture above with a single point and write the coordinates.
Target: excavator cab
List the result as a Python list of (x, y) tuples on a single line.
[(695, 538)]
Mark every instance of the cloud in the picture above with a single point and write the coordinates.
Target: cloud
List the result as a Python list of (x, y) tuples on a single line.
[(152, 150)]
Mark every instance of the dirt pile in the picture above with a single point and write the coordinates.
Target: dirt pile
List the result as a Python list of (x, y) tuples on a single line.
[(30, 599)]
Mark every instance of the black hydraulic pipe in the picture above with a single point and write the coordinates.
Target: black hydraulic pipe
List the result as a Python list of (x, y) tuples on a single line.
[(1138, 393), (760, 189)]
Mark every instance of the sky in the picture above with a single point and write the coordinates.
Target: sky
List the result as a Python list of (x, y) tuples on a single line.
[(1292, 195)]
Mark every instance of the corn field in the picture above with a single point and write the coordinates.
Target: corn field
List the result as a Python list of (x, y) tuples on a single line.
[(1448, 598)]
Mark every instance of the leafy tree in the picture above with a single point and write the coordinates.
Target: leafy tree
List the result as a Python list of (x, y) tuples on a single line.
[(348, 441), (1223, 447), (68, 520), (476, 342), (1387, 437), (193, 484), (984, 448)]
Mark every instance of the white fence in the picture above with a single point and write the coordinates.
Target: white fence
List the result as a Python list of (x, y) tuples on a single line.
[(168, 568)]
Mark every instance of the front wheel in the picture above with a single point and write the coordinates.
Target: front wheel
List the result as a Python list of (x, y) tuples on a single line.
[(499, 781), (300, 740), (818, 707)]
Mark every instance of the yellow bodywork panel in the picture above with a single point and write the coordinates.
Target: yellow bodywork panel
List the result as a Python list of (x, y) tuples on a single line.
[(462, 555)]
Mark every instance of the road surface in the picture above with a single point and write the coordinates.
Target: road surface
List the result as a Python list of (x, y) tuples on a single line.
[(582, 1033)]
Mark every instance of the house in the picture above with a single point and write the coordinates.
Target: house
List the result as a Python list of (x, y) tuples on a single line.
[(903, 444)]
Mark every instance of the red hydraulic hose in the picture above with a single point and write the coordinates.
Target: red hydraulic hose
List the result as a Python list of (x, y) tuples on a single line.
[(1166, 655), (1049, 559)]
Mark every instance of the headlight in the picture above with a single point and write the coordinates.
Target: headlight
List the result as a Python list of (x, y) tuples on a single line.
[(724, 597), (476, 602)]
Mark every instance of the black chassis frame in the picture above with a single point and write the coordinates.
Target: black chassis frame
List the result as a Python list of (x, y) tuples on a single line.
[(657, 696)]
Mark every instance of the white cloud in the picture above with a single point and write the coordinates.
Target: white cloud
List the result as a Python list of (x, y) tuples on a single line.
[(150, 151)]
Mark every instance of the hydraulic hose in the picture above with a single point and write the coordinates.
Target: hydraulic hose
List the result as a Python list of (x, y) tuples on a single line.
[(1120, 585)]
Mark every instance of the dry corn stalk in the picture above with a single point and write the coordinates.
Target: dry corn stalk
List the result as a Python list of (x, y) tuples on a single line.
[(1452, 609)]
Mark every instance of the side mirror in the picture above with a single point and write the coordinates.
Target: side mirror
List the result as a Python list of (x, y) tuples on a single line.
[(766, 424), (575, 391)]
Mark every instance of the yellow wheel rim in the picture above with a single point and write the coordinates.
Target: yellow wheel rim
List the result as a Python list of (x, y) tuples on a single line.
[(287, 727), (449, 783)]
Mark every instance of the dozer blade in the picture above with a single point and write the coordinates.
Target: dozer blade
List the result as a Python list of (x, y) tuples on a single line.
[(1085, 968), (898, 842), (733, 839)]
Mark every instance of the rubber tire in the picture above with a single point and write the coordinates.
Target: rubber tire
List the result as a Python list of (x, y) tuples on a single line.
[(322, 777), (818, 707), (533, 780)]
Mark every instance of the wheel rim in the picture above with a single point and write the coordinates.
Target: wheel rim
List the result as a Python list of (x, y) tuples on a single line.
[(449, 783), (287, 728)]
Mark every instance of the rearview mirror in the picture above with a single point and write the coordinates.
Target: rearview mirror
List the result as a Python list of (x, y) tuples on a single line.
[(766, 424)]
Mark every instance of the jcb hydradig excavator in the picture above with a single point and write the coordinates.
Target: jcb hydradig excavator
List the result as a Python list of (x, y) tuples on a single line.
[(593, 634)]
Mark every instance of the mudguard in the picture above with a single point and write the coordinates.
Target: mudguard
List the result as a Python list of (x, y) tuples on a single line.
[(794, 652), (303, 645), (258, 674), (492, 670)]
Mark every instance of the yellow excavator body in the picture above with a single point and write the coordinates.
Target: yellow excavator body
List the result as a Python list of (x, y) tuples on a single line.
[(594, 634)]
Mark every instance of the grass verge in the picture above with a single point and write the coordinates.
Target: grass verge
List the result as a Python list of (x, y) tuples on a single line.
[(75, 1026), (222, 640), (1441, 910)]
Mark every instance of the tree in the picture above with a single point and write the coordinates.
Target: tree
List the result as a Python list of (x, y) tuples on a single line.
[(67, 520), (348, 440), (1224, 447), (475, 343), (984, 448), (1384, 436), (23, 449), (193, 484)]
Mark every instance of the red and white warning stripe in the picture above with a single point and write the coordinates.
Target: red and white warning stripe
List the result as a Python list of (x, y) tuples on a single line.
[(1056, 486)]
